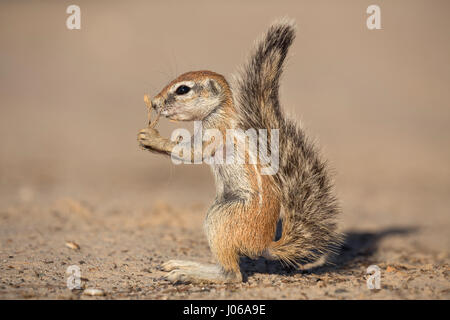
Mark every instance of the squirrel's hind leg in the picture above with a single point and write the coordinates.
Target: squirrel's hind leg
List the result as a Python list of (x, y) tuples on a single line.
[(179, 264), (194, 272)]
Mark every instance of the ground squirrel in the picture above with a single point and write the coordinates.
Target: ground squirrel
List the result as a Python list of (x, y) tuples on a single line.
[(243, 219)]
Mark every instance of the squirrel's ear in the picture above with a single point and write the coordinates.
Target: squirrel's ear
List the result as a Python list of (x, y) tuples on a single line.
[(214, 87)]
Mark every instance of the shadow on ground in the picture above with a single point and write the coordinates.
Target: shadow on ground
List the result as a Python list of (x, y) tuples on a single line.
[(357, 247)]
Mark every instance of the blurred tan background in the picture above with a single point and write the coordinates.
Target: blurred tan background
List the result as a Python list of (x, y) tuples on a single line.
[(72, 100)]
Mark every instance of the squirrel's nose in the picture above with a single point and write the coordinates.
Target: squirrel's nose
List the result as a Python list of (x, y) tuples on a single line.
[(156, 104)]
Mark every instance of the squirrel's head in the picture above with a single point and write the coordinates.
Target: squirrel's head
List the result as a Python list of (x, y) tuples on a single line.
[(192, 96)]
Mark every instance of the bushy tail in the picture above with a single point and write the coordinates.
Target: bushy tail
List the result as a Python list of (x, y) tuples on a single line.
[(310, 207), (306, 190), (256, 85)]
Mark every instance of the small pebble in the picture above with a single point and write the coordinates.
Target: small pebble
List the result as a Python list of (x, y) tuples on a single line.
[(72, 245)]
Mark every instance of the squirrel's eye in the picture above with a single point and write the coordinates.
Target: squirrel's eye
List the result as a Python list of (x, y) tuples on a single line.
[(182, 90)]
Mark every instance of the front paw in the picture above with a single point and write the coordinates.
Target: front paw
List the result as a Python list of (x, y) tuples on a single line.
[(148, 137)]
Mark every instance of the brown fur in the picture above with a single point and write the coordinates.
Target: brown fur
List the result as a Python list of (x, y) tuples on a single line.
[(244, 215)]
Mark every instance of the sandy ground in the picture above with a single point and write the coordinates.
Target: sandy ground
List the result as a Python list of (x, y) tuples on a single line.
[(70, 168)]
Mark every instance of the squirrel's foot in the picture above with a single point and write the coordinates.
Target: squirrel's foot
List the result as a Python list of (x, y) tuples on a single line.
[(194, 272), (179, 264)]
